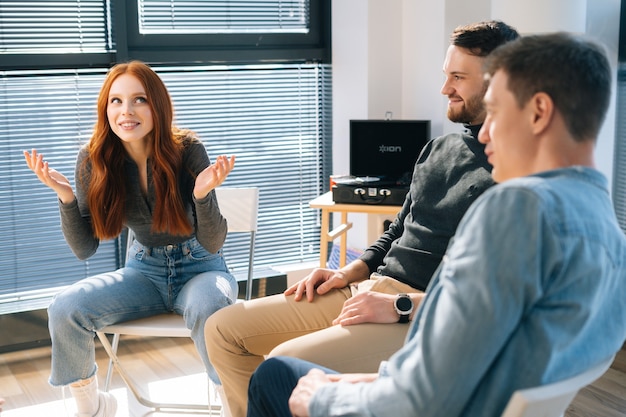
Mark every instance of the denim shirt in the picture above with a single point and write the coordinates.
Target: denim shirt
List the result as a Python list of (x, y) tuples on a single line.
[(530, 291)]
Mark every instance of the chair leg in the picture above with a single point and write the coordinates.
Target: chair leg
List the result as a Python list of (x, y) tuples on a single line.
[(134, 388), (219, 392), (115, 344)]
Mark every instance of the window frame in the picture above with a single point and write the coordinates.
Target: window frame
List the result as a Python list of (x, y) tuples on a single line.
[(191, 48), (622, 34)]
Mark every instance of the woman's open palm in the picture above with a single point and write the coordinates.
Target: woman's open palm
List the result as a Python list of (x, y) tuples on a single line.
[(213, 176), (50, 177)]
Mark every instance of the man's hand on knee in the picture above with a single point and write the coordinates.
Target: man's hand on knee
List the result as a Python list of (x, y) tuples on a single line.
[(319, 281)]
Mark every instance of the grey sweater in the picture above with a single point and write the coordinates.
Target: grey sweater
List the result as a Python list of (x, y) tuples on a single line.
[(450, 173), (210, 226)]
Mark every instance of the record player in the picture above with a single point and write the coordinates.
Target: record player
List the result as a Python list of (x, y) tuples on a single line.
[(368, 190), (382, 158)]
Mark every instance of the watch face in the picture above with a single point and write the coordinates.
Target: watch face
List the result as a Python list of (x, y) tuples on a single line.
[(404, 303)]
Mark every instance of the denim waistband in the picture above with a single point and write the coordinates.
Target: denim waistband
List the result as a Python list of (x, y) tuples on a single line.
[(171, 249)]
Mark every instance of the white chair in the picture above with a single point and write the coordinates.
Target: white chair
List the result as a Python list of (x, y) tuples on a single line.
[(240, 208), (552, 400)]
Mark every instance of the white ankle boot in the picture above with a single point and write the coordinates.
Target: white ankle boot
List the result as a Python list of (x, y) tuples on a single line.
[(90, 402), (107, 405)]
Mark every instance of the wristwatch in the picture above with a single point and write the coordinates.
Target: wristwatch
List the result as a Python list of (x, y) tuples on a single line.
[(404, 306)]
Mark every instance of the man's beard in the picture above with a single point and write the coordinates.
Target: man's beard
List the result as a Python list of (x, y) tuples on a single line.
[(471, 111)]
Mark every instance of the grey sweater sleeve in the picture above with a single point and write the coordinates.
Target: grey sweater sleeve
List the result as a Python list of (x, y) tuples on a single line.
[(75, 220), (375, 254), (450, 173), (210, 225)]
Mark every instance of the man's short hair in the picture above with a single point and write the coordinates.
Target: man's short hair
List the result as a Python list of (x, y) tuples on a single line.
[(574, 71), (483, 37)]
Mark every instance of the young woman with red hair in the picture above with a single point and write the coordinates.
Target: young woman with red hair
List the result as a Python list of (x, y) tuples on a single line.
[(142, 172)]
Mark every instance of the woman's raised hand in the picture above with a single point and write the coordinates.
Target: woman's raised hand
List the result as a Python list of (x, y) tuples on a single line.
[(213, 176), (50, 177)]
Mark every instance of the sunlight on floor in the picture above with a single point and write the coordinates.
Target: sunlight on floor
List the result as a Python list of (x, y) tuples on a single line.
[(191, 389)]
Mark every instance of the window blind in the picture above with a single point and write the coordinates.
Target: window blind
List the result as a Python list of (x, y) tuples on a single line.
[(224, 16), (49, 113), (70, 26), (619, 163), (274, 118)]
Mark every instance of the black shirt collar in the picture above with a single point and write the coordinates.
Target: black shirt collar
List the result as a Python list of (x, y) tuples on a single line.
[(473, 130)]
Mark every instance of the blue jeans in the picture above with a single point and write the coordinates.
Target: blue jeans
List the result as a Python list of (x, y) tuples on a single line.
[(272, 383), (185, 279)]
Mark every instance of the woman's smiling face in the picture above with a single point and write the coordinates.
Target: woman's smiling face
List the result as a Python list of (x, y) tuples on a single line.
[(128, 111)]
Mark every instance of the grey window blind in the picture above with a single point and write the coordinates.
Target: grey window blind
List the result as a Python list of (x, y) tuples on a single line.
[(619, 163), (70, 26), (274, 118), (224, 16), (54, 114)]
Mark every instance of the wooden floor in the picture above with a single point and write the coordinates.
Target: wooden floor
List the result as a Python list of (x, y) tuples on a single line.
[(607, 396), (169, 369), (173, 372)]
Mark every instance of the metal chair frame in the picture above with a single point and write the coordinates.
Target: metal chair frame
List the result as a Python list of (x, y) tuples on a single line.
[(240, 208)]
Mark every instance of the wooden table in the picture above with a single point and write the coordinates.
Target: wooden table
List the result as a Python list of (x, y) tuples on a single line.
[(327, 205)]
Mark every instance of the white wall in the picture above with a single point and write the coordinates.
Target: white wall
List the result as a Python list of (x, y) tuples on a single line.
[(388, 56)]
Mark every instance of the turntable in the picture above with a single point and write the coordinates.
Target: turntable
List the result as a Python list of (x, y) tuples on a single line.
[(368, 190), (382, 158)]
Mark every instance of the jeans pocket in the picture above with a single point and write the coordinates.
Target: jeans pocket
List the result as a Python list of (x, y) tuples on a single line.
[(136, 251), (198, 253)]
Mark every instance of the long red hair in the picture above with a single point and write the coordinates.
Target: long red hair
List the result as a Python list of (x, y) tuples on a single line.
[(106, 196)]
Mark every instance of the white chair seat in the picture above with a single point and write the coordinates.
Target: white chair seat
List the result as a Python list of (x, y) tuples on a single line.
[(161, 325), (552, 400)]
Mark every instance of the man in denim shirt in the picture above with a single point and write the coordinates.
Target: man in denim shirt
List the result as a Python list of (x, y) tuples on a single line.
[(531, 288)]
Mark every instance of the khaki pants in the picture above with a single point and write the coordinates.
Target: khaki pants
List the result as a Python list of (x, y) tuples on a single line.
[(239, 337)]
